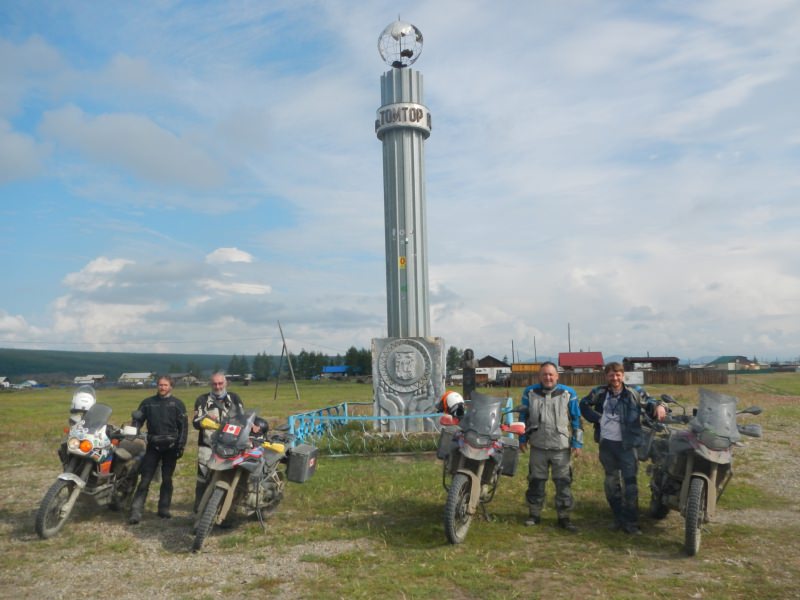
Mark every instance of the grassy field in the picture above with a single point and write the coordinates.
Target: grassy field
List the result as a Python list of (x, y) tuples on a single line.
[(372, 527)]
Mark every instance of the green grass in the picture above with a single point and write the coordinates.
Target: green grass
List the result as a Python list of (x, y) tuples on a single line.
[(384, 515)]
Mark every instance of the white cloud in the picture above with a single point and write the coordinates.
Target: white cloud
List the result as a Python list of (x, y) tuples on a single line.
[(629, 171), (228, 287), (20, 155), (135, 143), (228, 255), (98, 273)]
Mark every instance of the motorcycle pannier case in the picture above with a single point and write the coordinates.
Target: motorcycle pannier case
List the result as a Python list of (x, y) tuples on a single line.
[(302, 463), (445, 442), (510, 455)]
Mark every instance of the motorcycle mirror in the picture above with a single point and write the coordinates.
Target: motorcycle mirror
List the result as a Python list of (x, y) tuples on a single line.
[(751, 410), (137, 415), (751, 429), (668, 399)]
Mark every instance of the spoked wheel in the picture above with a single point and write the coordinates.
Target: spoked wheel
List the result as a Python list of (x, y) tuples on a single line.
[(695, 504), (456, 518), (208, 518), (52, 513)]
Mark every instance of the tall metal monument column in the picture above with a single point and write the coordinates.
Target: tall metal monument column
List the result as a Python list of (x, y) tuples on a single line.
[(408, 366)]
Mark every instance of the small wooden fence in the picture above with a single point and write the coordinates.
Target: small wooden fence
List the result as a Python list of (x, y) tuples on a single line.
[(682, 377)]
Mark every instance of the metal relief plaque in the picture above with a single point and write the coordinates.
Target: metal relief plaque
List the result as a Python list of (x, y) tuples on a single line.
[(408, 377)]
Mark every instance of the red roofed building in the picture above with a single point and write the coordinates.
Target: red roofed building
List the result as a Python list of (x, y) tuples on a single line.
[(581, 362)]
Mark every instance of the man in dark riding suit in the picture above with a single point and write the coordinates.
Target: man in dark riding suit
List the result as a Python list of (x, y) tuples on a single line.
[(167, 430)]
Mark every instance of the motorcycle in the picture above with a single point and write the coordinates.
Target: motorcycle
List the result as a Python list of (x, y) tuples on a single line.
[(692, 466), (246, 477), (99, 461), (475, 452)]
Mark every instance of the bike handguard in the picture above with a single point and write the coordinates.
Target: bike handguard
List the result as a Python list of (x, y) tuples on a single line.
[(517, 428), (448, 420), (751, 429), (207, 423)]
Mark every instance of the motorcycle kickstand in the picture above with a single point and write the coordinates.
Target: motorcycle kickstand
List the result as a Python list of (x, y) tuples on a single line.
[(261, 519), (486, 516)]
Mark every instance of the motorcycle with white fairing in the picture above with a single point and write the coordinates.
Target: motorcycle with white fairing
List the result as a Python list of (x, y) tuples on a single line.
[(98, 461)]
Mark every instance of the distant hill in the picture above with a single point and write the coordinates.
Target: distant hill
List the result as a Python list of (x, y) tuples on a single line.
[(62, 366)]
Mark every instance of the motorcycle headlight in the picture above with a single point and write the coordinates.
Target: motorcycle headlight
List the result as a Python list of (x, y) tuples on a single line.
[(76, 445)]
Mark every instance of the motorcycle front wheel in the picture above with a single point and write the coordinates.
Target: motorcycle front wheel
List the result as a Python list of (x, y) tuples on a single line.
[(208, 518), (456, 518), (695, 504), (51, 516)]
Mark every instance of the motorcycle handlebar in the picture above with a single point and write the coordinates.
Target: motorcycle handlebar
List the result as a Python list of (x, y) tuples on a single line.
[(681, 419)]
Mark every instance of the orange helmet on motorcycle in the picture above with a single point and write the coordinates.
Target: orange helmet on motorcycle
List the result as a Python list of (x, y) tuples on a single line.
[(452, 403)]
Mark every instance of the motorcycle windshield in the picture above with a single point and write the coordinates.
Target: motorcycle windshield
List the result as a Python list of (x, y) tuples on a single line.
[(96, 417), (483, 416), (715, 421), (235, 432)]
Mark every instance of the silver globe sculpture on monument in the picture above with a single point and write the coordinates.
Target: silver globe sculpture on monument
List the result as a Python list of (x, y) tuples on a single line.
[(400, 44)]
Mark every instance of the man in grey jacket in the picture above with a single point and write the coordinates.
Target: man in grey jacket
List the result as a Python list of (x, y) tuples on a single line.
[(553, 431)]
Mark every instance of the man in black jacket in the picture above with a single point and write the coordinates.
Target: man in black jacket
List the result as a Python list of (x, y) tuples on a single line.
[(615, 409), (167, 430), (217, 406)]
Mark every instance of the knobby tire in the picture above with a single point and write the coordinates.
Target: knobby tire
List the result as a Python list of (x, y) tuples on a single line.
[(50, 517), (456, 519), (694, 515), (208, 518)]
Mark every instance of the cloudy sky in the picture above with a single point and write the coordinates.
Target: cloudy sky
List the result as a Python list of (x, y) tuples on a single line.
[(182, 176)]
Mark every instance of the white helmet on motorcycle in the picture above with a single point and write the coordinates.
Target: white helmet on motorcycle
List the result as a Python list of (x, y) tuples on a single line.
[(452, 403), (82, 400)]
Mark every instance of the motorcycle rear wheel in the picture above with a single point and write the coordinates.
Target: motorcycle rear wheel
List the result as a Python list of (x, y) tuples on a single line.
[(208, 518), (695, 504), (456, 518), (51, 516)]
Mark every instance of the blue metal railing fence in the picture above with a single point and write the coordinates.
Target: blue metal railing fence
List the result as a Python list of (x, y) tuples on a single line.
[(306, 425)]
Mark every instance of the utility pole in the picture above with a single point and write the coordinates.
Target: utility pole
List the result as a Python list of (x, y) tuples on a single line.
[(569, 340)]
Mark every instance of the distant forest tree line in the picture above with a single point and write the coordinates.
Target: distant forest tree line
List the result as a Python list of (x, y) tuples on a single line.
[(264, 367), (61, 366)]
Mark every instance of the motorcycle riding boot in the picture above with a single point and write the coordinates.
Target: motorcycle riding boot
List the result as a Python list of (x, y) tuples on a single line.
[(164, 502), (564, 503), (137, 506), (535, 498), (566, 524)]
